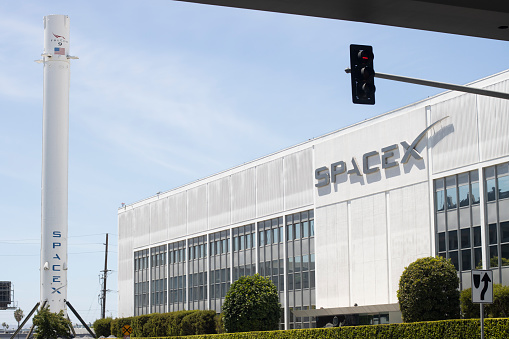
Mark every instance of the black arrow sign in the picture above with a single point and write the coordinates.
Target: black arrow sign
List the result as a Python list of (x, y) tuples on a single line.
[(486, 279)]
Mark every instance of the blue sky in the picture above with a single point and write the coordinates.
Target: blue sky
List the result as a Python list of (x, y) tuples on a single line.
[(166, 92)]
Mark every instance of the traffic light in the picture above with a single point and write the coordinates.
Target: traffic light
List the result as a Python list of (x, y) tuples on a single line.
[(362, 74)]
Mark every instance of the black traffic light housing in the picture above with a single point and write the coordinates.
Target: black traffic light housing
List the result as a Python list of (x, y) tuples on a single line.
[(362, 74)]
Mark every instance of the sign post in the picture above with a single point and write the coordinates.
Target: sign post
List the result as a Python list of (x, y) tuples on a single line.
[(482, 291)]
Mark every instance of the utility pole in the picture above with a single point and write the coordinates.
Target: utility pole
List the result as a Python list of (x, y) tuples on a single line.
[(105, 274)]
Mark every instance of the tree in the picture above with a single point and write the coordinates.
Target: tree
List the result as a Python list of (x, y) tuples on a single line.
[(428, 290), (499, 308), (252, 304), (5, 326), (51, 325), (18, 315)]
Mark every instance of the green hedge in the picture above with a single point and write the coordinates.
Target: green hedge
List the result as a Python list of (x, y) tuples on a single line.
[(171, 324), (450, 329), (102, 327)]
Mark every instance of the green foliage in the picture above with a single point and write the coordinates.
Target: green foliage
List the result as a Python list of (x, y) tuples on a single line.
[(18, 315), (468, 309), (102, 327), (51, 325), (157, 325), (251, 304), (175, 322), (138, 323), (428, 290), (450, 329), (117, 324), (218, 319), (201, 322), (499, 308)]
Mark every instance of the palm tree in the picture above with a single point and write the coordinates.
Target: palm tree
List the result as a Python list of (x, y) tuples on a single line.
[(18, 315)]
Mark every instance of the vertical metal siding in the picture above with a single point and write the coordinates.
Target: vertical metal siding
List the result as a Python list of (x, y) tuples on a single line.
[(409, 230), (298, 176), (243, 195), (332, 256), (197, 209), (219, 203), (141, 226), (269, 192), (177, 215), (125, 265), (456, 143), (159, 220), (494, 124)]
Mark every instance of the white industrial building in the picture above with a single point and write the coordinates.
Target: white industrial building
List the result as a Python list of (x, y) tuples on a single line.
[(334, 220)]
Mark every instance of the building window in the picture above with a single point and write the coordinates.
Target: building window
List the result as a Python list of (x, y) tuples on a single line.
[(177, 276), (497, 206), (457, 219), (300, 265)]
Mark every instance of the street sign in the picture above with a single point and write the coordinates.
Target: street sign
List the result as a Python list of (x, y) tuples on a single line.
[(482, 286), (127, 330)]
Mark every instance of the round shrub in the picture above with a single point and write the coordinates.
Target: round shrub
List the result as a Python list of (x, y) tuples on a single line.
[(252, 304), (428, 290)]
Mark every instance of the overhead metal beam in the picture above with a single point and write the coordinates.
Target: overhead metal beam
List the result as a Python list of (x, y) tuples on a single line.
[(485, 19)]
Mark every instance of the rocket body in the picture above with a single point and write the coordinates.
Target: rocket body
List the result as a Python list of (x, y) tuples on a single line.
[(55, 154)]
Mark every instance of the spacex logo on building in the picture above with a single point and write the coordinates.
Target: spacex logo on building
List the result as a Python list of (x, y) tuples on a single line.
[(325, 175)]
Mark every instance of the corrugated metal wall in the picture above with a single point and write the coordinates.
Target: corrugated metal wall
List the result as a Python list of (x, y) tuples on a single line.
[(243, 195), (125, 264), (269, 187), (298, 174), (477, 130), (494, 124), (219, 202)]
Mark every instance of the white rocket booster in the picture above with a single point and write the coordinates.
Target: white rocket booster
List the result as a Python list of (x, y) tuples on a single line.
[(55, 153)]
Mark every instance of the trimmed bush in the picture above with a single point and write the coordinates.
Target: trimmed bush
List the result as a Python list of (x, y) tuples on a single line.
[(175, 322), (252, 304), (157, 325), (138, 323), (428, 290), (450, 329), (102, 327), (200, 322), (499, 308), (117, 324)]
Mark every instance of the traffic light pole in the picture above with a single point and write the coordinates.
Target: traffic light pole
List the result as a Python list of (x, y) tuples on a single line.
[(443, 85)]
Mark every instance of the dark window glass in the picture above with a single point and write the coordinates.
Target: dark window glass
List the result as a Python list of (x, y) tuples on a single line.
[(504, 231), (466, 260), (478, 258), (289, 232), (493, 256), (505, 254), (477, 236), (441, 242), (454, 259), (297, 231), (312, 228), (451, 197), (439, 198), (453, 240), (305, 229), (493, 234), (465, 238), (464, 195), (491, 189), (275, 235), (503, 187), (260, 239)]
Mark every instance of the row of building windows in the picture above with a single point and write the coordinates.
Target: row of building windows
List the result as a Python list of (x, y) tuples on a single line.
[(458, 218), (189, 285)]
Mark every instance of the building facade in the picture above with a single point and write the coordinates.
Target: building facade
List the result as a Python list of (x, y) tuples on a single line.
[(333, 221)]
